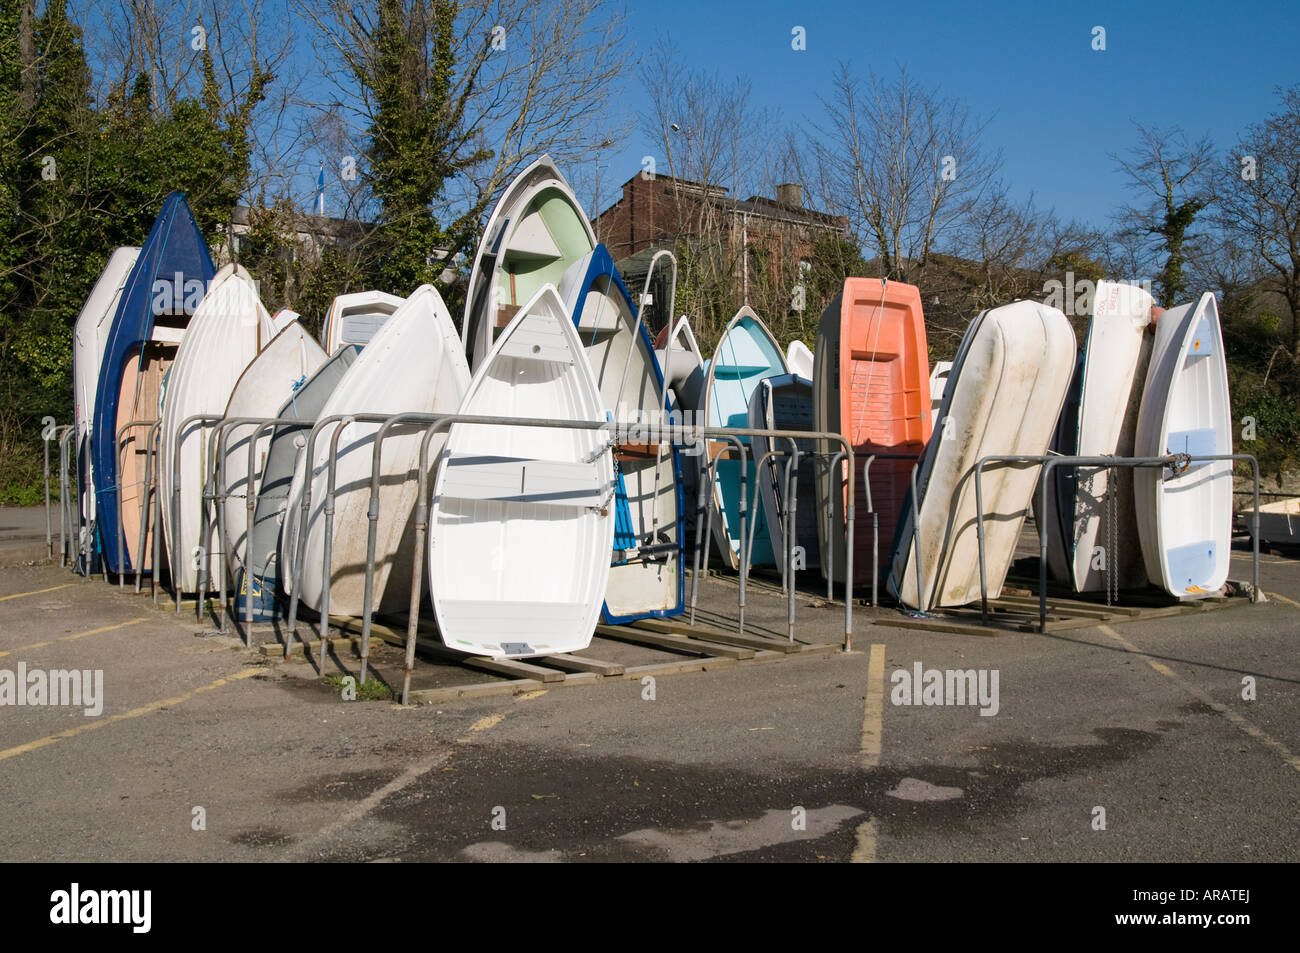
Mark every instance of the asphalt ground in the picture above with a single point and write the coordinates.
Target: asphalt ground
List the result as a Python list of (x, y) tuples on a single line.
[(1117, 742)]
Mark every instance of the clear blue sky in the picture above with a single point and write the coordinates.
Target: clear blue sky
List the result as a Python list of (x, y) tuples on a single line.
[(1058, 109)]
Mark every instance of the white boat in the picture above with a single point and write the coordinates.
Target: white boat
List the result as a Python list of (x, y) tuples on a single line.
[(799, 358), (646, 578), (229, 328), (283, 318), (1184, 515), (1007, 387), (938, 381), (267, 383), (682, 363), (536, 231), (522, 522), (88, 340), (356, 318), (413, 364), (1120, 338), (1279, 522), (287, 446)]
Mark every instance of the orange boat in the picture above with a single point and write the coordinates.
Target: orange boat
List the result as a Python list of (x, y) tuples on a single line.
[(871, 383)]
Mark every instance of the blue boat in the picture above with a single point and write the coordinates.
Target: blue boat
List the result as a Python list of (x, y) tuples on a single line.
[(645, 578), (746, 355), (169, 279)]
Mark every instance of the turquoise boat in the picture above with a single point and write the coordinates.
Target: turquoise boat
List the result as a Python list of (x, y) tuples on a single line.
[(746, 355)]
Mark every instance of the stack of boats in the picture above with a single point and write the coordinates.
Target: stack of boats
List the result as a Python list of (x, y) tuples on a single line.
[(559, 498)]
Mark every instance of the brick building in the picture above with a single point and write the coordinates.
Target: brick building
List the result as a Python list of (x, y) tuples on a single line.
[(780, 232)]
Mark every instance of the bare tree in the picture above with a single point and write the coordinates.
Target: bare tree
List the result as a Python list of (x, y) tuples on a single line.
[(1258, 195), (904, 163), (526, 78), (1171, 173)]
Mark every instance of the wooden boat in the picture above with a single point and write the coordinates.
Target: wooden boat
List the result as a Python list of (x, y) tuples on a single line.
[(413, 364), (522, 525), (646, 578), (262, 390), (288, 443), (799, 359), (88, 340), (786, 403), (169, 278), (355, 318), (1184, 515), (1004, 396), (1117, 354), (536, 231), (872, 386), (229, 328), (746, 355)]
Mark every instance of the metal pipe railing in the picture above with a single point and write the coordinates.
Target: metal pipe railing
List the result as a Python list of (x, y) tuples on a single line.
[(150, 499), (174, 545), (1048, 463)]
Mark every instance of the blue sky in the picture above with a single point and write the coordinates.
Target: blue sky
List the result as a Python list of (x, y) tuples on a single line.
[(1057, 108)]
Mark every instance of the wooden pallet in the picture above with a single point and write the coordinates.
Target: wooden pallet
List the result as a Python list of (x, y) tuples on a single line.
[(1018, 612), (703, 649)]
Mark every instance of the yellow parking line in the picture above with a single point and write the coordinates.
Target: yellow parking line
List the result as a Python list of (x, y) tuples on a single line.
[(873, 715), (1257, 733), (864, 847), (69, 638), (35, 592), (133, 713), (1282, 598), (483, 724)]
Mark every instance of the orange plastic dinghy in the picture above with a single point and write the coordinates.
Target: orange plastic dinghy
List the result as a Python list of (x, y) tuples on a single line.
[(871, 384)]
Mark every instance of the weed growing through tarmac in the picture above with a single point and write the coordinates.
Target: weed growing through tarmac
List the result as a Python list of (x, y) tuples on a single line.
[(371, 690)]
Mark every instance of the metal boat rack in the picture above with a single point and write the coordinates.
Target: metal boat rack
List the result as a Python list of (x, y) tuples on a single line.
[(1048, 463)]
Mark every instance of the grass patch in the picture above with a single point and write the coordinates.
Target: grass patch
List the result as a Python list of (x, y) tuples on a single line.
[(371, 690)]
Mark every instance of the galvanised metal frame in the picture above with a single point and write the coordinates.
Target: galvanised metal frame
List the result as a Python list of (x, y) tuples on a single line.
[(1048, 462)]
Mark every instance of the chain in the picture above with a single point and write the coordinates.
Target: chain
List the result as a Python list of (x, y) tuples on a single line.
[(1112, 537)]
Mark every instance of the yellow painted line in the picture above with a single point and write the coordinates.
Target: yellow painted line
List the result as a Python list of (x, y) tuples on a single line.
[(78, 635), (133, 713), (1236, 718), (35, 592), (873, 716), (864, 850), (483, 724), (529, 696), (1281, 598)]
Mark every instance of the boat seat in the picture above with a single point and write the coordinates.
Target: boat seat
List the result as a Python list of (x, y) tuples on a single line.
[(1203, 342), (523, 480), (1191, 565), (523, 624), (538, 341), (360, 328), (1200, 442)]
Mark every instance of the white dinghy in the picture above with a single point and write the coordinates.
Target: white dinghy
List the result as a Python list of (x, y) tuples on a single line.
[(229, 328), (536, 231), (414, 364), (799, 358), (88, 340), (1008, 385), (1120, 339), (356, 318), (1184, 516), (522, 521), (938, 382), (266, 384)]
